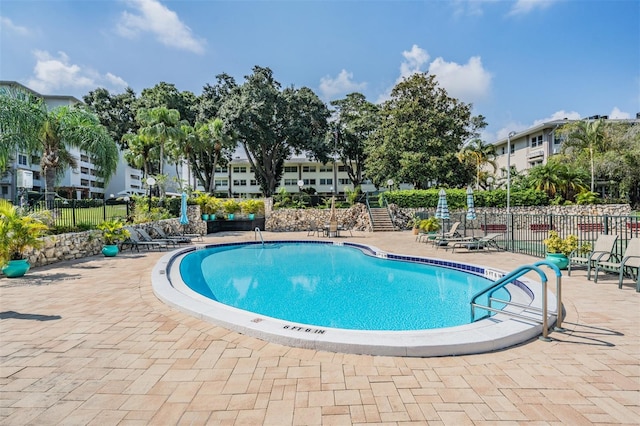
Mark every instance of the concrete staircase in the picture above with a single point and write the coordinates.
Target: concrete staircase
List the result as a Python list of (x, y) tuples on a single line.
[(381, 221)]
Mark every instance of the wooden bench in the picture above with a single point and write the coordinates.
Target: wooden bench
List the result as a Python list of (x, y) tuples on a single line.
[(540, 227), (495, 227), (590, 227)]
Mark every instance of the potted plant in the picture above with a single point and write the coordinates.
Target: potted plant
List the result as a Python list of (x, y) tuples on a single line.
[(112, 233), (18, 232), (251, 206), (430, 224), (414, 223), (202, 200), (231, 207), (214, 205), (558, 249)]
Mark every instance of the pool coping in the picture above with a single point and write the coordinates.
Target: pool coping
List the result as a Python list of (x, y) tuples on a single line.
[(485, 335)]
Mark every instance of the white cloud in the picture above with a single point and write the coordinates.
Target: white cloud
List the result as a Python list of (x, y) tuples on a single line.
[(469, 82), (414, 61), (616, 113), (162, 22), (558, 115), (522, 7), (342, 84), (7, 25), (54, 75)]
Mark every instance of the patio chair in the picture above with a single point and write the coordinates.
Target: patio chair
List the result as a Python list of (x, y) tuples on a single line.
[(602, 249), (314, 229), (473, 243), (440, 239), (453, 231), (145, 237), (333, 229), (630, 262), (163, 235), (134, 241)]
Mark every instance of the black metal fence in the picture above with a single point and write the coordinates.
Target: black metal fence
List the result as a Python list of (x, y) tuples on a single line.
[(524, 233), (82, 214)]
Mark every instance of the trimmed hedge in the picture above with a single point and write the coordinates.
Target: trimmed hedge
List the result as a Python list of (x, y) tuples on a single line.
[(457, 198)]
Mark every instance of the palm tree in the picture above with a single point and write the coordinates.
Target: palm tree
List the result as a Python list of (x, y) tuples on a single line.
[(162, 125), (587, 135), (27, 125), (481, 154), (556, 177)]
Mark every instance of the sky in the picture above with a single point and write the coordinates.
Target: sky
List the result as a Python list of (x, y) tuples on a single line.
[(519, 63)]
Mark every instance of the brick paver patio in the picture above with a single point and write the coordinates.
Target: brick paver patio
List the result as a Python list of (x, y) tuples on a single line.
[(87, 342)]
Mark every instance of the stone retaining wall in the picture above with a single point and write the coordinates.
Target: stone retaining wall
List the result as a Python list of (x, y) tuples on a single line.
[(290, 220)]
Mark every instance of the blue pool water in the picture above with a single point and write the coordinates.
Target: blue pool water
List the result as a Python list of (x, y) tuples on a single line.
[(333, 286)]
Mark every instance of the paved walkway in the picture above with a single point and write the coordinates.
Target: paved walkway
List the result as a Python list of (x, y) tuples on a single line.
[(87, 342)]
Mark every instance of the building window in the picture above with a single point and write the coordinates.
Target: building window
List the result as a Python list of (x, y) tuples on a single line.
[(291, 169), (342, 168), (239, 182), (239, 169), (290, 182), (503, 151), (221, 170), (84, 182), (513, 148), (253, 182), (326, 169), (22, 160), (309, 181), (35, 159), (5, 190), (326, 181), (252, 170), (84, 170), (134, 177), (536, 141), (36, 175), (344, 181), (309, 169), (222, 182)]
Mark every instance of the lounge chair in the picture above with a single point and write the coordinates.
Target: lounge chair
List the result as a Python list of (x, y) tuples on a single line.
[(163, 235), (134, 241), (630, 262), (145, 237), (333, 230), (451, 235), (473, 243), (602, 249)]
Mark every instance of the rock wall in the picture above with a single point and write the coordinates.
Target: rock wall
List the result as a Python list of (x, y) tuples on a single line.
[(290, 220)]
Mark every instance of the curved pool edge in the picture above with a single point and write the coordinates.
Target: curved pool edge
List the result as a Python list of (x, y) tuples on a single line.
[(498, 332)]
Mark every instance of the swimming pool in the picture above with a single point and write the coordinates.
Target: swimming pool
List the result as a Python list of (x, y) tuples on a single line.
[(326, 285), (480, 336)]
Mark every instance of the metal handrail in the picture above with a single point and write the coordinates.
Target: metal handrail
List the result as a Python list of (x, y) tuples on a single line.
[(510, 277), (258, 232)]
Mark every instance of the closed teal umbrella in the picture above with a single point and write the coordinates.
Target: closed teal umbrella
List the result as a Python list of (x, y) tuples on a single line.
[(471, 211), (442, 210), (184, 220)]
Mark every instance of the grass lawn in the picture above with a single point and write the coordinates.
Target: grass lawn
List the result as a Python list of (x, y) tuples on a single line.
[(88, 215)]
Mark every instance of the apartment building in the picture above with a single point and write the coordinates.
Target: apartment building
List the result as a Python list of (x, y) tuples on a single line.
[(534, 146)]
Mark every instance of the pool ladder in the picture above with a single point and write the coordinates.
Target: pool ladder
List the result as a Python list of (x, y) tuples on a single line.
[(257, 232), (510, 277)]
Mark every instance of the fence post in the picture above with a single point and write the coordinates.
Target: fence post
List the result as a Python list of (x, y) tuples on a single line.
[(73, 212), (605, 218), (104, 209)]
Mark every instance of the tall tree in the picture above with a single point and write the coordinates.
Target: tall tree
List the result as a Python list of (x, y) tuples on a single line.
[(116, 112), (272, 124), (421, 131), (168, 96), (161, 125), (587, 136), (480, 154), (355, 121), (52, 133), (556, 178), (212, 97)]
